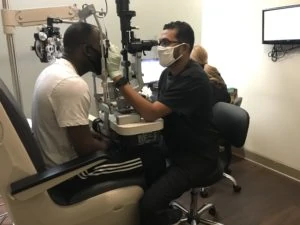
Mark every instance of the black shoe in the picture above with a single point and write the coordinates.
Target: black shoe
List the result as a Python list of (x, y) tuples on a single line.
[(174, 215)]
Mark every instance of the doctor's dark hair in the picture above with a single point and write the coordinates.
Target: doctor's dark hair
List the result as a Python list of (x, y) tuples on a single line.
[(184, 34), (76, 34)]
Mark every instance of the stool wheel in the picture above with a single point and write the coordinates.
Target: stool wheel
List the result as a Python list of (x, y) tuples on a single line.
[(204, 193), (212, 211), (237, 188)]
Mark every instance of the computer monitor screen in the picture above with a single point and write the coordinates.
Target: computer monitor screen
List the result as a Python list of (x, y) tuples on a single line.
[(280, 25), (151, 70)]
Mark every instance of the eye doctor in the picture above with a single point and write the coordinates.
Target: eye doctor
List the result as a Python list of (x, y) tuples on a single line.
[(185, 103)]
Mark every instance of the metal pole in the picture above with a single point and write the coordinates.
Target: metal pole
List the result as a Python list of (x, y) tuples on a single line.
[(104, 81), (13, 62)]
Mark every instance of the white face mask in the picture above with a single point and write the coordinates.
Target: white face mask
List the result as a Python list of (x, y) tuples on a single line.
[(165, 55)]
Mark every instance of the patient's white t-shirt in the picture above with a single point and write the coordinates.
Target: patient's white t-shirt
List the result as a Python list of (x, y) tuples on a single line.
[(61, 99)]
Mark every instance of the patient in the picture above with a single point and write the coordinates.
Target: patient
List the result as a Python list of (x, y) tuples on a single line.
[(61, 104), (220, 93)]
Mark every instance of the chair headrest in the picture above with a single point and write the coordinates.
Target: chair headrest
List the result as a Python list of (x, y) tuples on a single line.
[(231, 122), (19, 121)]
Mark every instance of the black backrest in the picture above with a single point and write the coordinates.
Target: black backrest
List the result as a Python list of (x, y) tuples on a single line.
[(231, 123), (21, 126)]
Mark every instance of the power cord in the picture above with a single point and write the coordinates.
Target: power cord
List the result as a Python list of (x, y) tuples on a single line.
[(279, 51)]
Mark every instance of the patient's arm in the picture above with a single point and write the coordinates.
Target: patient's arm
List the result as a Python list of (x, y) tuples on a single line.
[(83, 140)]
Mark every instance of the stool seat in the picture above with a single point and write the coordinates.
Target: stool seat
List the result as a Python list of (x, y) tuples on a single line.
[(213, 177)]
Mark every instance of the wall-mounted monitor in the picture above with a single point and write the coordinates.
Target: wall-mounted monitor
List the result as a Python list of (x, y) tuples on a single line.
[(281, 25)]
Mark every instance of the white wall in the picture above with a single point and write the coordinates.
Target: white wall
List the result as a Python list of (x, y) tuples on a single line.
[(231, 32), (151, 16)]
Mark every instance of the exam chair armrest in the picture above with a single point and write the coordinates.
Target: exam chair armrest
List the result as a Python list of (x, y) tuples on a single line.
[(38, 183)]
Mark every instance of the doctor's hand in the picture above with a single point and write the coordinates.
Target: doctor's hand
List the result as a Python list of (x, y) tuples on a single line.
[(113, 62)]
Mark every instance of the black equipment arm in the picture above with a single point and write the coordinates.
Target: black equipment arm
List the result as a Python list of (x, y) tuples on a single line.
[(130, 44)]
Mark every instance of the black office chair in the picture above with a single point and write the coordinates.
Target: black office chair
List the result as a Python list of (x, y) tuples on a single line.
[(236, 136), (227, 150), (25, 183), (227, 145), (226, 155), (231, 122)]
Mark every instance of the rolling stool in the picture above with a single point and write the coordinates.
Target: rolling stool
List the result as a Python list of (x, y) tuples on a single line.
[(193, 215)]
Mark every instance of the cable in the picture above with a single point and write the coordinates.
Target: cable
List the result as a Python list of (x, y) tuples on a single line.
[(102, 14), (279, 51)]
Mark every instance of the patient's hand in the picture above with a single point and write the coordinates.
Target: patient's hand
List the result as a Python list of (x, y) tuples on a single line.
[(99, 136), (106, 141)]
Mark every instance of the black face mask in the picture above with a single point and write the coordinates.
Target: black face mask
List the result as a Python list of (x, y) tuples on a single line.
[(95, 60)]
